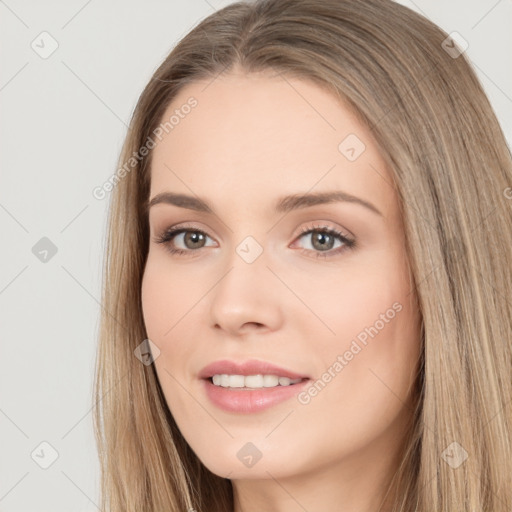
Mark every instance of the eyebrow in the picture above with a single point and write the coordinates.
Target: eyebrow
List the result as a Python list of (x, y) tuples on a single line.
[(283, 205)]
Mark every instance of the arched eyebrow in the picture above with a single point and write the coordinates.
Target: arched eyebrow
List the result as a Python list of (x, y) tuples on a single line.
[(283, 205)]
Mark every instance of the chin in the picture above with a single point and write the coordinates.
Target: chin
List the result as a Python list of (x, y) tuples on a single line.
[(257, 459)]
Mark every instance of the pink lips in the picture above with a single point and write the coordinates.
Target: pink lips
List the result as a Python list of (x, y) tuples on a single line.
[(245, 400)]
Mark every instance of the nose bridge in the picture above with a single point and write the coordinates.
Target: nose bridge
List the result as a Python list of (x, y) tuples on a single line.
[(249, 250), (247, 280), (247, 293)]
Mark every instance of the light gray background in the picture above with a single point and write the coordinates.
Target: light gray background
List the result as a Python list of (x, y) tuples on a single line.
[(63, 120)]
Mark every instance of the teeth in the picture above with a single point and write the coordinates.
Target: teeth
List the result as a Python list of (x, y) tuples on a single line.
[(252, 381), (269, 381)]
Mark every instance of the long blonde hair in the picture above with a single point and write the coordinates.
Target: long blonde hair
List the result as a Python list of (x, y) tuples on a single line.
[(452, 170)]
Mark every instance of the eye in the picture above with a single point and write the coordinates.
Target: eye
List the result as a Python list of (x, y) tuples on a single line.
[(188, 239), (325, 241)]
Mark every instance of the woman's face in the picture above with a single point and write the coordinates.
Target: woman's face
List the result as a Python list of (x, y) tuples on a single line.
[(296, 268)]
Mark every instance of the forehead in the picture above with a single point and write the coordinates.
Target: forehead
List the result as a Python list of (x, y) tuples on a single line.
[(261, 136)]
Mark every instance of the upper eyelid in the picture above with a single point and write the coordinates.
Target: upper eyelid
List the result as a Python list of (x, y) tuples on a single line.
[(342, 231), (303, 230), (176, 230)]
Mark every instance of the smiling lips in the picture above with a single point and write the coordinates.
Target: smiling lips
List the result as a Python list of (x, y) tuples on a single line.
[(249, 387)]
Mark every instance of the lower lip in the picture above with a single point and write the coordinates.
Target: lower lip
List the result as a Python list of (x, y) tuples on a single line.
[(250, 400)]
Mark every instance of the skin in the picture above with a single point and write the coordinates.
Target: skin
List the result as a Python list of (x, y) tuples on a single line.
[(251, 139)]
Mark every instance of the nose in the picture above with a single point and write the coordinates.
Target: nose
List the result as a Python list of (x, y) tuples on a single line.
[(247, 298)]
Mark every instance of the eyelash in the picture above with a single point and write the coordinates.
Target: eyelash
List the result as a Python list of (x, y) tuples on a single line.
[(348, 243)]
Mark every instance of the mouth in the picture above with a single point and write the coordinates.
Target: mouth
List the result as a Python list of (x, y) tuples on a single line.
[(251, 386)]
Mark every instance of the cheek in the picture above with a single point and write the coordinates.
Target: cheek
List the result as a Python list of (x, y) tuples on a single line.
[(371, 363), (364, 302), (155, 297), (166, 296), (171, 303)]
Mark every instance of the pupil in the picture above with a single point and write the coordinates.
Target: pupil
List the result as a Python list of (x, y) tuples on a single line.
[(194, 238), (320, 238)]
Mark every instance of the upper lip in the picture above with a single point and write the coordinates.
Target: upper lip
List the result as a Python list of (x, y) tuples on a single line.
[(251, 367)]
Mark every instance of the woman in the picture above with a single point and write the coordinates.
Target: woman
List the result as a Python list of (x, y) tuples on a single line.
[(307, 282)]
